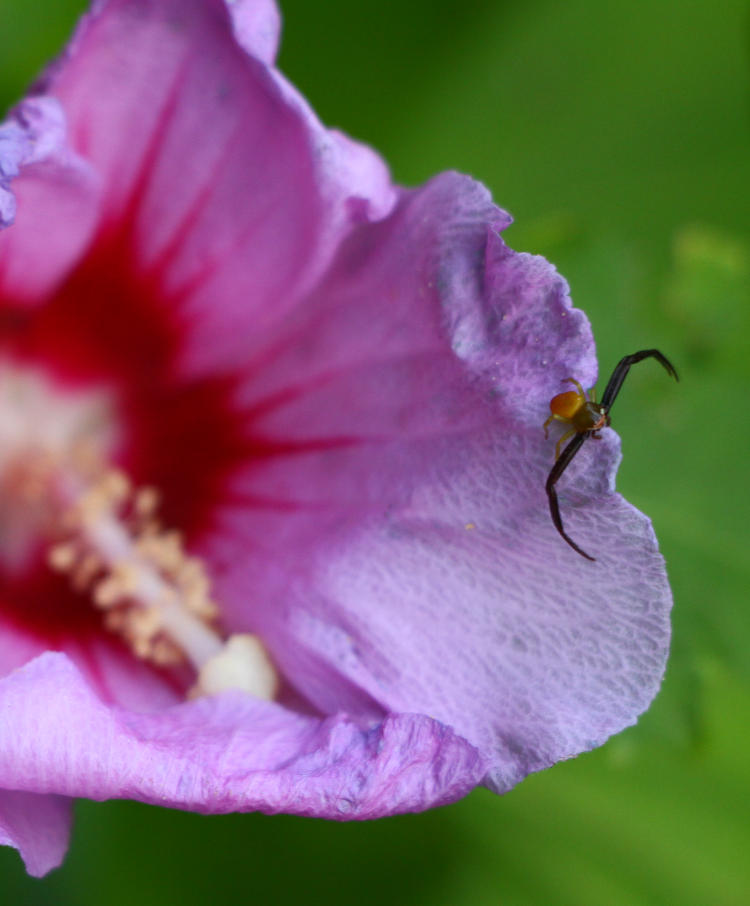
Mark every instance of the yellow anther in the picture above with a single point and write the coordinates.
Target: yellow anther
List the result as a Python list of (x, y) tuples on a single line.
[(169, 554), (62, 557), (142, 648), (88, 508), (145, 502), (165, 654), (126, 574), (109, 592), (144, 622), (200, 605), (115, 486), (84, 571), (191, 573), (196, 585)]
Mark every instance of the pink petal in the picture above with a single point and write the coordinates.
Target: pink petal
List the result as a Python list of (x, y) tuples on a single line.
[(527, 650), (227, 189), (231, 753), (257, 25), (401, 551), (55, 187), (38, 826)]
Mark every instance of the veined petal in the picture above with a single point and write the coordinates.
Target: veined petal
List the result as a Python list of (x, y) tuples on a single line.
[(416, 560), (230, 753), (528, 651)]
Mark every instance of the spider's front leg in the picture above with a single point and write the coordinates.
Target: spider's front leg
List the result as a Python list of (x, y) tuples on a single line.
[(623, 367), (562, 462)]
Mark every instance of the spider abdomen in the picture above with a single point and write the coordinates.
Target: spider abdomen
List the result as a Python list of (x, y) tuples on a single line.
[(567, 404), (573, 407)]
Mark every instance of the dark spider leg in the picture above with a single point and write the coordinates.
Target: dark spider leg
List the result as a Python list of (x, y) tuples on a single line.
[(621, 372), (559, 467)]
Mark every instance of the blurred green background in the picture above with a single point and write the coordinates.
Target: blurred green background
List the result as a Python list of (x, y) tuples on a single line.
[(618, 136)]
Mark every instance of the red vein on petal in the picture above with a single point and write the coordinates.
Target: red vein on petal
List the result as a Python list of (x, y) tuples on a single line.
[(192, 216), (163, 122)]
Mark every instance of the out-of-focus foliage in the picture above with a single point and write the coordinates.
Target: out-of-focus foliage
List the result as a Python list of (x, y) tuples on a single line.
[(618, 135)]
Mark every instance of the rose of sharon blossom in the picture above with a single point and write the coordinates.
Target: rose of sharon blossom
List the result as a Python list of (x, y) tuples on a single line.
[(273, 529)]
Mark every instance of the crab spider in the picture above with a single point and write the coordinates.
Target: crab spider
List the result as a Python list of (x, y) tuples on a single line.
[(586, 417)]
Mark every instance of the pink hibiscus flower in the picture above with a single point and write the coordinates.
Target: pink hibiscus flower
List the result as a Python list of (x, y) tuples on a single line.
[(273, 529)]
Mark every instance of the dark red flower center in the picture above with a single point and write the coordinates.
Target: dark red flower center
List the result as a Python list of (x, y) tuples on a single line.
[(101, 356)]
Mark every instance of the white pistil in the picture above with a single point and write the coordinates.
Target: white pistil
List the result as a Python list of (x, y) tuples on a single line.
[(145, 584), (54, 444), (242, 663), (157, 597)]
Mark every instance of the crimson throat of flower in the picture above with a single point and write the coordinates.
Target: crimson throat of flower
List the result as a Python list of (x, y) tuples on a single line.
[(104, 535)]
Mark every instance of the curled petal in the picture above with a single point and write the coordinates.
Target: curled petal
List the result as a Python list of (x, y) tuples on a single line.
[(38, 826), (257, 25), (51, 185), (230, 753)]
